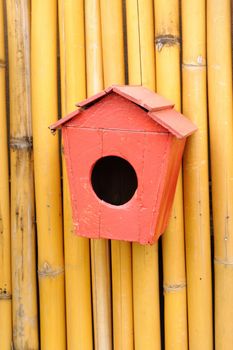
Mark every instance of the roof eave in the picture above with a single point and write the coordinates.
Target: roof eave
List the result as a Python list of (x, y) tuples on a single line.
[(180, 132), (62, 121)]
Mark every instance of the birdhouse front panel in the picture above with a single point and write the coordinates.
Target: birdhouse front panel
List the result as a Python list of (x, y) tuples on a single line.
[(123, 151), (104, 208)]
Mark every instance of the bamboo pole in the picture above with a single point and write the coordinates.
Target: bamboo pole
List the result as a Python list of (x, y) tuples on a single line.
[(196, 182), (146, 297), (77, 256), (167, 39), (114, 73), (141, 70), (5, 253), (94, 60), (122, 295), (25, 330), (221, 147), (140, 42), (47, 175), (100, 255), (112, 42), (101, 293)]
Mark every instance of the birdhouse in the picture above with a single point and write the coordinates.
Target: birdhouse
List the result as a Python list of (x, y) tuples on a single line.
[(123, 149)]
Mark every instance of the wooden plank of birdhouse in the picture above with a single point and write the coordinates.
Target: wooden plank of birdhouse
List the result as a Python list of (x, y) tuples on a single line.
[(143, 97), (137, 94), (62, 121), (91, 99), (175, 122)]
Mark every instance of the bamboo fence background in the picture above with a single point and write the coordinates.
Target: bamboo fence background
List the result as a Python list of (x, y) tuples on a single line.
[(59, 291)]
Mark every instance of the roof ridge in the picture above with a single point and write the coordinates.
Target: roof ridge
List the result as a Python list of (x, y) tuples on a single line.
[(154, 104), (134, 93)]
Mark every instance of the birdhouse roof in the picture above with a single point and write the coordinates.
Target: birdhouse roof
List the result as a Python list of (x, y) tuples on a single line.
[(159, 109)]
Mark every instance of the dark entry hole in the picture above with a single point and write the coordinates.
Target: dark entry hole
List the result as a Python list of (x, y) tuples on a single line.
[(114, 180)]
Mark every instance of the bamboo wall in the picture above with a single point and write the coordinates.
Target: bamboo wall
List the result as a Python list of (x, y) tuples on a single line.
[(59, 291)]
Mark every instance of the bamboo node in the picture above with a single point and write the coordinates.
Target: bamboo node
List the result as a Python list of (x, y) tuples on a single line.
[(166, 40), (223, 262), (194, 65), (2, 64), (174, 287), (47, 271), (24, 142), (4, 295)]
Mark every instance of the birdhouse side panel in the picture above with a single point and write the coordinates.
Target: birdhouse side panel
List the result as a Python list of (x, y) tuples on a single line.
[(156, 157), (115, 113), (172, 170), (180, 144)]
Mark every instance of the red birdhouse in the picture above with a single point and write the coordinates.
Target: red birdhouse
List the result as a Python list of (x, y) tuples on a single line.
[(123, 151)]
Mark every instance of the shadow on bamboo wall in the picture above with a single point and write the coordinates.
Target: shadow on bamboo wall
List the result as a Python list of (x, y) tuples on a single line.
[(57, 290)]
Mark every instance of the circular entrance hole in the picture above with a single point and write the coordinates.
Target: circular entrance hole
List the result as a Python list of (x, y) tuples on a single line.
[(114, 180)]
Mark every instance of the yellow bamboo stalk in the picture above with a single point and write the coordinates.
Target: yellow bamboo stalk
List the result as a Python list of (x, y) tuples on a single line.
[(141, 70), (77, 256), (47, 175), (146, 297), (221, 146), (101, 293), (114, 73), (72, 53), (25, 329), (100, 255), (196, 182), (94, 61), (140, 42), (167, 39), (112, 42), (122, 295), (5, 253)]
